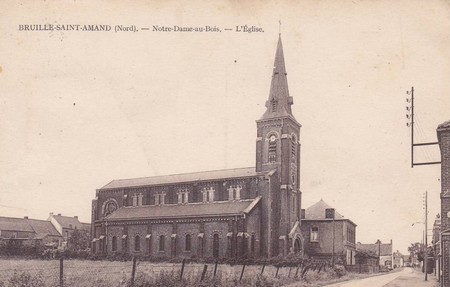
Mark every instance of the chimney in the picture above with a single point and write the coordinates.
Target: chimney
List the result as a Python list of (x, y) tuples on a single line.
[(51, 214), (25, 217), (302, 213), (59, 214), (76, 217)]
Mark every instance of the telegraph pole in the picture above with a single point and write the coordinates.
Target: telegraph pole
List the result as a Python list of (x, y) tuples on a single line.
[(410, 124)]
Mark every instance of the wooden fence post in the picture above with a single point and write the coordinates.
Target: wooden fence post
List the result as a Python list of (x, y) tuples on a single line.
[(289, 274), (61, 272), (204, 272), (133, 271), (242, 272), (296, 271), (262, 270), (215, 268), (276, 274), (182, 269)]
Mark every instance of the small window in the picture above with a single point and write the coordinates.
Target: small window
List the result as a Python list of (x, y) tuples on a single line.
[(208, 194), (274, 105), (137, 243), (114, 244), (234, 192), (162, 242), (314, 234), (187, 245), (160, 198)]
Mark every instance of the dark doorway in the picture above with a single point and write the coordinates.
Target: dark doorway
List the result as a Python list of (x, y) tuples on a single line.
[(216, 245), (297, 245)]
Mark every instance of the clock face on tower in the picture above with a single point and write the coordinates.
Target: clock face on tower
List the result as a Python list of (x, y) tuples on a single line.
[(273, 138)]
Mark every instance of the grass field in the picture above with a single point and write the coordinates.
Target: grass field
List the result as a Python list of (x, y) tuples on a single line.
[(78, 273)]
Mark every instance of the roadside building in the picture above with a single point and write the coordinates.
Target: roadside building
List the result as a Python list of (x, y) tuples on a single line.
[(398, 259), (327, 237), (383, 250), (29, 232), (66, 225), (443, 134)]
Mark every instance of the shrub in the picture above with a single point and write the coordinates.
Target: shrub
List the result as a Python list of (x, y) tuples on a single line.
[(339, 270), (25, 279)]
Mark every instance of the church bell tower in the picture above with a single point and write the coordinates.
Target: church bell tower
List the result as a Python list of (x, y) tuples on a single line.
[(278, 149)]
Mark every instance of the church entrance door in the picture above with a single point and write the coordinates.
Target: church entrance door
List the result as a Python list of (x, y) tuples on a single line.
[(297, 245)]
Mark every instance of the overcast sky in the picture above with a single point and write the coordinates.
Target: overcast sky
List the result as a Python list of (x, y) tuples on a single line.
[(79, 109)]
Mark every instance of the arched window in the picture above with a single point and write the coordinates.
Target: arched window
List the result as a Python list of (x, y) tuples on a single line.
[(272, 149), (162, 241), (137, 243), (293, 148), (216, 245), (187, 243), (114, 243)]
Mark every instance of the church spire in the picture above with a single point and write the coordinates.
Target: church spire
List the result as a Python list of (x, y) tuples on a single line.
[(279, 103)]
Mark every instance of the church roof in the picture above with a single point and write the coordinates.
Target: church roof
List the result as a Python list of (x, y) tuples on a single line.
[(279, 103), (216, 208), (186, 177), (317, 211)]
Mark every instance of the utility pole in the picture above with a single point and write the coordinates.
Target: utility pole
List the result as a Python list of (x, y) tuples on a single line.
[(410, 124)]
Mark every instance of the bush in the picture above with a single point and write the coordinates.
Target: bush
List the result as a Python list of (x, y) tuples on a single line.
[(25, 279), (339, 270)]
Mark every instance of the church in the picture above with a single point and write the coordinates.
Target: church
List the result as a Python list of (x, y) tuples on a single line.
[(235, 213)]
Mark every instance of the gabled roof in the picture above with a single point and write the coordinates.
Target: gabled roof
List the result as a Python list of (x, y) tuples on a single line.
[(43, 227), (384, 248), (444, 125), (185, 177), (190, 210), (69, 222), (317, 211), (15, 224)]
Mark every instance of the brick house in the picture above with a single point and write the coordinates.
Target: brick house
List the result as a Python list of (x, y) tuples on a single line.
[(243, 212), (443, 134), (436, 243), (382, 250), (66, 225), (317, 227)]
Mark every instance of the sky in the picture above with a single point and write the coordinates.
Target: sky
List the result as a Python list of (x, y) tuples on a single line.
[(81, 108)]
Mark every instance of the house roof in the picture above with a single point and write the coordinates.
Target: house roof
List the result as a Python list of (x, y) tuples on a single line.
[(15, 224), (385, 248), (317, 211), (69, 222), (216, 208), (444, 125), (43, 227), (185, 177)]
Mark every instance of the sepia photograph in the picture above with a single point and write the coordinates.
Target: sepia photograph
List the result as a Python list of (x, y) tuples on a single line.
[(225, 143)]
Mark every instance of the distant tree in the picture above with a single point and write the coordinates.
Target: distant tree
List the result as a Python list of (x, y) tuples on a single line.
[(417, 250), (78, 240)]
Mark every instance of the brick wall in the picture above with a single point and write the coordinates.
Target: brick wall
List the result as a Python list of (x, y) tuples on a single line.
[(443, 133)]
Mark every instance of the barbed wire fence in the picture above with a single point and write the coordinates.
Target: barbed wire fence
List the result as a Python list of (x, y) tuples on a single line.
[(75, 273)]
